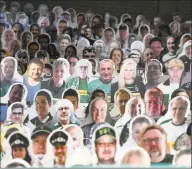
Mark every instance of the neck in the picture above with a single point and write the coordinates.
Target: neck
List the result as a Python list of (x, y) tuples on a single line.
[(64, 122), (104, 81), (129, 81), (153, 82), (60, 162), (41, 118), (174, 82), (59, 84), (178, 121), (83, 78), (31, 80), (110, 161)]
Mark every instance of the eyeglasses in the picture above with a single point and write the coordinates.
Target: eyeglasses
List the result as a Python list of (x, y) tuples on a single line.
[(17, 113), (63, 108), (148, 141), (104, 144)]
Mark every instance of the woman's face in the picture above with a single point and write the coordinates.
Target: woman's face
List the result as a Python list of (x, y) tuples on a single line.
[(147, 41), (35, 30), (129, 72), (148, 55), (19, 152), (8, 68), (175, 27), (116, 57), (63, 44), (69, 52), (131, 40), (27, 38), (44, 23), (9, 35), (108, 36)]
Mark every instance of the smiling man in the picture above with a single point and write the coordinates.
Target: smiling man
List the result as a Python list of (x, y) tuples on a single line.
[(106, 70)]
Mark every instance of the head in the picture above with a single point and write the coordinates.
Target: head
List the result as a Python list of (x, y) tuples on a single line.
[(97, 93), (109, 35), (88, 32), (153, 71), (146, 40), (157, 45), (148, 54), (26, 38), (73, 96), (43, 40), (116, 55), (175, 69), (72, 62), (136, 157), (77, 135), (178, 106), (32, 48), (123, 31), (8, 35), (80, 19), (16, 93), (89, 52), (60, 71), (179, 92), (156, 20), (43, 56), (39, 139), (70, 50), (131, 39), (177, 17), (8, 67), (105, 145), (17, 112), (43, 102), (134, 107), (154, 140), (64, 41), (154, 102), (35, 69), (18, 29), (137, 125), (64, 109), (171, 44), (106, 70), (43, 9), (98, 109), (62, 24), (121, 98)]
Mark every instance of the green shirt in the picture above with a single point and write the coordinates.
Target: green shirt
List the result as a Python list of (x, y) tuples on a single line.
[(5, 84), (83, 86)]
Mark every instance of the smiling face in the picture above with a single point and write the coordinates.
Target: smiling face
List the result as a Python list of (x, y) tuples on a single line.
[(63, 44), (8, 68), (35, 71), (116, 57), (106, 71), (171, 46), (153, 71), (58, 74), (19, 152), (175, 74), (60, 152)]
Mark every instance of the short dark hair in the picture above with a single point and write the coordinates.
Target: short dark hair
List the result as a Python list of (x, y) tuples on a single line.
[(19, 85), (44, 36), (96, 91), (17, 105), (71, 92), (156, 39), (36, 61), (44, 93), (42, 54), (175, 92), (176, 14)]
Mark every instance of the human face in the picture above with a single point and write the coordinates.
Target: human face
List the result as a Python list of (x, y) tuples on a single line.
[(43, 42), (156, 21), (178, 109), (9, 36), (63, 44), (39, 145), (62, 26), (129, 72), (16, 115), (83, 72), (70, 52), (22, 57), (73, 100), (148, 55), (35, 71), (156, 46), (99, 109), (135, 57), (154, 142), (153, 71), (19, 152), (116, 57), (109, 36), (58, 74), (16, 94), (80, 20), (177, 18), (74, 133), (175, 74), (60, 152), (131, 40), (72, 62), (35, 30), (96, 21), (106, 71), (147, 41), (153, 105), (27, 38), (136, 131), (123, 34), (189, 52), (17, 30), (8, 68), (136, 107), (63, 113), (87, 33), (171, 45), (121, 101), (98, 94), (105, 149), (88, 55), (33, 50), (42, 105)]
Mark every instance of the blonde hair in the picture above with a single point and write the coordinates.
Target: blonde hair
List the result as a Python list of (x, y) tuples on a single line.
[(121, 74), (140, 153)]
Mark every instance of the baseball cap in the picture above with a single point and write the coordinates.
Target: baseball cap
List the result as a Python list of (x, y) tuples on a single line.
[(175, 62), (40, 131), (105, 131)]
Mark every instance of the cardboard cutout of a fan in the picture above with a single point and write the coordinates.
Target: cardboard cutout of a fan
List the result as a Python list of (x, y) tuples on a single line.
[(180, 142)]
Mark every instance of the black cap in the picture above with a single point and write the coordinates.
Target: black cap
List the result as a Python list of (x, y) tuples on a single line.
[(10, 131), (105, 131), (18, 140), (41, 130), (59, 137), (122, 27), (88, 49)]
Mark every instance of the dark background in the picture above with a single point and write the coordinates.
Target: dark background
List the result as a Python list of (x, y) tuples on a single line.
[(149, 8)]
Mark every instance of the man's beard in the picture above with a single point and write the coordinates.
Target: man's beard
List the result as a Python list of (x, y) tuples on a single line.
[(154, 152)]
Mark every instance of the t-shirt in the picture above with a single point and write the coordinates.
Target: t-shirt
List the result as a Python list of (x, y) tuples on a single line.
[(97, 84), (83, 86)]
